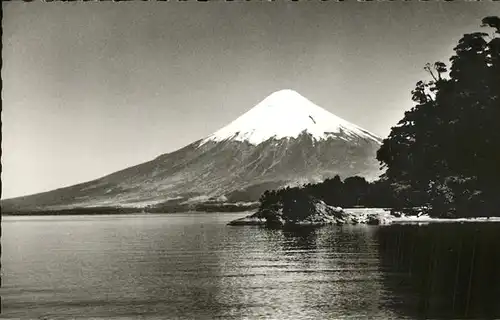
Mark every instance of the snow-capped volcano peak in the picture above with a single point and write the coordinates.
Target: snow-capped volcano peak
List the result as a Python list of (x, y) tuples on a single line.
[(196, 177), (286, 113)]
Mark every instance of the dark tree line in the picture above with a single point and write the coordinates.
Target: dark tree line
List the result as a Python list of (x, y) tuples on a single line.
[(351, 192), (447, 148), (445, 152)]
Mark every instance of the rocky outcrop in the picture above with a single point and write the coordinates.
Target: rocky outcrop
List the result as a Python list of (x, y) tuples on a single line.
[(322, 214)]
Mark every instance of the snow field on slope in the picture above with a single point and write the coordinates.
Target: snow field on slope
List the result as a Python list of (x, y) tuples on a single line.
[(283, 114)]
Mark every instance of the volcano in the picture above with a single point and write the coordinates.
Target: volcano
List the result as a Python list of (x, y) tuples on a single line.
[(285, 140)]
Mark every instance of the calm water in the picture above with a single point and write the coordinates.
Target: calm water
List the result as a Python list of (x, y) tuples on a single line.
[(193, 266)]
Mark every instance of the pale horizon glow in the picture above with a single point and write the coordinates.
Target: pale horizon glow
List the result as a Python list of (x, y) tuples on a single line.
[(90, 88)]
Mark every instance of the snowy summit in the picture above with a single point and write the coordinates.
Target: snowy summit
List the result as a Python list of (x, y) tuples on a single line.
[(287, 114)]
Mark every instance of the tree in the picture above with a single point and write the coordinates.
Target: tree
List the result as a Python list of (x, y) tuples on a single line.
[(355, 190), (446, 149)]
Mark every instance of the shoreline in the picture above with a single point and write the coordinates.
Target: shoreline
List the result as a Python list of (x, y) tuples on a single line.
[(403, 219), (38, 214), (128, 210), (354, 216)]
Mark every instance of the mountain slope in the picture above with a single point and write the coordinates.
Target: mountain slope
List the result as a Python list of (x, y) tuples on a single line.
[(286, 113), (284, 140)]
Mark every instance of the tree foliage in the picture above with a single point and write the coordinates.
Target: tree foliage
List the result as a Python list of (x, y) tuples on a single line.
[(445, 152), (446, 149), (296, 202)]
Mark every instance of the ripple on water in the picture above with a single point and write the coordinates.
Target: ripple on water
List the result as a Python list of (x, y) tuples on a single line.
[(196, 267)]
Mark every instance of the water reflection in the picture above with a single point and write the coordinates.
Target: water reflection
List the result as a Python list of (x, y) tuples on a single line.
[(442, 271), (303, 273), (196, 267)]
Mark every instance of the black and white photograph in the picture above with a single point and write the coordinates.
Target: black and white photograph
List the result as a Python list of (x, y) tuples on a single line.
[(261, 159)]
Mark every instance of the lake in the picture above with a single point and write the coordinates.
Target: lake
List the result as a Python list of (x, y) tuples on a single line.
[(194, 266)]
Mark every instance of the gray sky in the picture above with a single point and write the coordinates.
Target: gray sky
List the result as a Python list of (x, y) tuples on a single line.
[(91, 88)]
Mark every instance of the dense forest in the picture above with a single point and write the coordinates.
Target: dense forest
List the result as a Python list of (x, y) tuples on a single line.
[(444, 154)]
